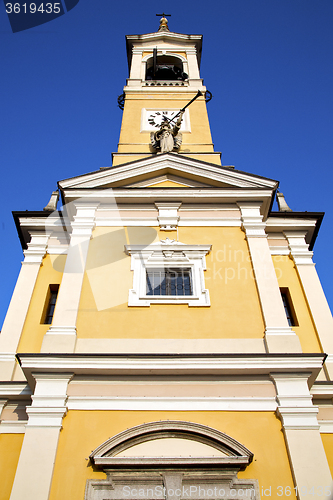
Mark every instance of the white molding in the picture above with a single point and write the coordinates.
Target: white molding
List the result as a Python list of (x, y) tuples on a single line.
[(230, 364), (299, 418), (84, 220), (7, 357), (61, 330), (13, 426), (15, 390), (252, 219), (279, 250), (145, 403), (36, 248), (326, 426), (322, 390), (148, 431), (49, 400), (295, 410), (299, 249), (168, 254), (168, 217), (272, 330), (180, 164)]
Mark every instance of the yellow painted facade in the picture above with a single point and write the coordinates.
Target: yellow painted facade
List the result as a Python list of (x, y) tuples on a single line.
[(235, 310), (34, 328), (253, 429), (223, 362), (288, 278), (10, 447), (328, 445)]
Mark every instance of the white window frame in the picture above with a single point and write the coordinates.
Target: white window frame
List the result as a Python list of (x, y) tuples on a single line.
[(165, 254)]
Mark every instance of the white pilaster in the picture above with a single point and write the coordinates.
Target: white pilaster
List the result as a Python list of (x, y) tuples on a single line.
[(317, 303), (301, 430), (61, 336), (35, 466), (20, 302), (279, 337), (135, 78), (193, 68)]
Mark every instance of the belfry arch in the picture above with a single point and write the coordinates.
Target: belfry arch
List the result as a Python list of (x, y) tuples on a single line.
[(165, 67)]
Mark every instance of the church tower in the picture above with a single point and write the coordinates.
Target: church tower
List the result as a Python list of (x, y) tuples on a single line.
[(164, 75), (168, 336)]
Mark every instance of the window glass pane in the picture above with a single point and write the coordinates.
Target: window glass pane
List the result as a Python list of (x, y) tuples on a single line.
[(287, 309), (51, 307), (168, 281)]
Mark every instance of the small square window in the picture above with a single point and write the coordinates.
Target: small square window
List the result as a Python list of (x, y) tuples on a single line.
[(169, 281)]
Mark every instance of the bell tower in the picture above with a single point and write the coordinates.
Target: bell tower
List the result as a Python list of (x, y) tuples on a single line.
[(164, 75)]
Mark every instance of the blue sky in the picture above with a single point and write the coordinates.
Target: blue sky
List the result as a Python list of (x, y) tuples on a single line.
[(268, 64)]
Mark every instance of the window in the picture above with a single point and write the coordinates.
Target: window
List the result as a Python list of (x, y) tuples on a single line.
[(288, 307), (169, 282), (50, 304), (181, 455), (168, 272)]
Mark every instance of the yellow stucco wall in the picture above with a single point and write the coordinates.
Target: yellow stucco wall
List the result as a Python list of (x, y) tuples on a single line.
[(10, 448), (33, 330), (168, 184), (260, 432), (234, 312), (328, 446), (288, 278)]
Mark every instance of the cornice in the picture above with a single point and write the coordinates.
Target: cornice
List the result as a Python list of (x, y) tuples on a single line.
[(296, 221), (15, 390), (186, 195), (137, 364)]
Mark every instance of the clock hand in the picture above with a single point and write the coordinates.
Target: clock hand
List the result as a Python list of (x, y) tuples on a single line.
[(183, 109)]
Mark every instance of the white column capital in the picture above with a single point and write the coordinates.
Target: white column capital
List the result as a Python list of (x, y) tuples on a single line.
[(299, 249), (252, 219), (295, 409), (139, 50), (298, 418), (36, 247), (49, 400), (85, 219)]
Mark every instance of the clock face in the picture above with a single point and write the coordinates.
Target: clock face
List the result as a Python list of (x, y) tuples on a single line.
[(155, 118)]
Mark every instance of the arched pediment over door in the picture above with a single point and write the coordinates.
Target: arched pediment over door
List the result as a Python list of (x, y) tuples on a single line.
[(171, 460)]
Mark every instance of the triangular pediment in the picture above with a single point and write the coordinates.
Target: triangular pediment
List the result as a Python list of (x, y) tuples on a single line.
[(168, 170)]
